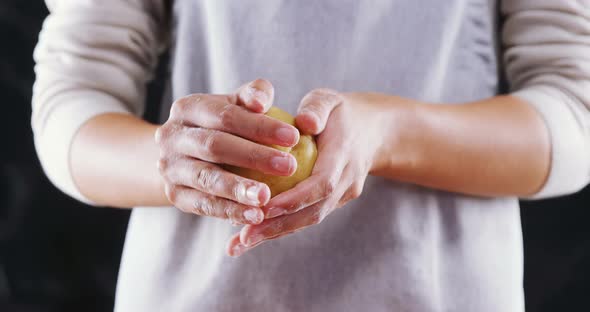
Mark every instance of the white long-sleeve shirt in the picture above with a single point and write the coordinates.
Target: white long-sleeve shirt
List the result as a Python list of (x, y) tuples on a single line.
[(428, 250)]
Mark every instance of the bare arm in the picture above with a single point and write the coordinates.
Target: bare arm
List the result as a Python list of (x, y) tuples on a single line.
[(80, 77), (113, 162), (92, 145), (495, 147)]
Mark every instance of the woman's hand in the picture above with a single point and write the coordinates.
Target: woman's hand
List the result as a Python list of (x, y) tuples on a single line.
[(204, 131), (350, 134), (492, 147)]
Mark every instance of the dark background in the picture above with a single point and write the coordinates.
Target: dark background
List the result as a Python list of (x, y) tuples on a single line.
[(59, 255)]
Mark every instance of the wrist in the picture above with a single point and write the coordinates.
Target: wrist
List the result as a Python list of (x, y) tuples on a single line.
[(156, 180), (400, 122), (114, 160)]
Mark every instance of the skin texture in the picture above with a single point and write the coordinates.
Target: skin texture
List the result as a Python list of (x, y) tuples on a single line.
[(305, 152), (494, 147)]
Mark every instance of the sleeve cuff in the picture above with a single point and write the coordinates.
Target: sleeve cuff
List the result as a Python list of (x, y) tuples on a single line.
[(570, 153), (55, 134)]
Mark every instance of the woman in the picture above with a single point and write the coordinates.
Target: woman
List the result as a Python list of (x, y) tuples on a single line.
[(415, 143)]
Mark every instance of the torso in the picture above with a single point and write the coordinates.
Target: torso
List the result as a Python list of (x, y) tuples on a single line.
[(398, 247)]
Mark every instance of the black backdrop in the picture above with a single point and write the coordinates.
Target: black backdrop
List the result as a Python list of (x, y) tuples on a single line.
[(59, 255)]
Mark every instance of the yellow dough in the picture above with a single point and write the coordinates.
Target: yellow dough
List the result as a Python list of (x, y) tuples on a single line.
[(305, 152)]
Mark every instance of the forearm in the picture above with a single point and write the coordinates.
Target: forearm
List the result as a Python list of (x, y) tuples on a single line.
[(495, 147), (113, 161)]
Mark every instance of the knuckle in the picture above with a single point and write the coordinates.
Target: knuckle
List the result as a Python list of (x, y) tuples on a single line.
[(209, 105), (158, 135), (209, 140), (226, 116), (203, 206), (171, 193), (183, 104), (315, 218), (253, 156), (163, 165), (230, 99), (356, 190), (206, 178), (260, 127), (230, 211), (162, 133), (328, 186), (179, 107), (165, 132), (238, 190)]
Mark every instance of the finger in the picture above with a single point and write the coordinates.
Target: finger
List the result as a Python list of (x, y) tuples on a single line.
[(224, 148), (192, 201), (256, 127), (220, 113), (303, 195), (257, 96), (354, 191), (272, 228), (249, 238), (233, 248), (212, 179), (252, 235), (315, 108), (325, 176)]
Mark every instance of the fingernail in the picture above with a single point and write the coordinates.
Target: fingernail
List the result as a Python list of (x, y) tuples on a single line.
[(238, 250), (286, 135), (254, 239), (254, 215), (312, 118), (259, 96), (275, 212), (253, 194), (283, 164), (254, 94)]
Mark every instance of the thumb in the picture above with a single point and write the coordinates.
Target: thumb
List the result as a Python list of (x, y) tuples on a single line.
[(315, 109), (257, 96)]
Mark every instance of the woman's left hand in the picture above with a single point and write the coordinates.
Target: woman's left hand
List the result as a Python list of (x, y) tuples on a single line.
[(351, 130)]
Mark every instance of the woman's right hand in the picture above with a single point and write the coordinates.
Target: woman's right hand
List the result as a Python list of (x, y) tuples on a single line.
[(204, 131)]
